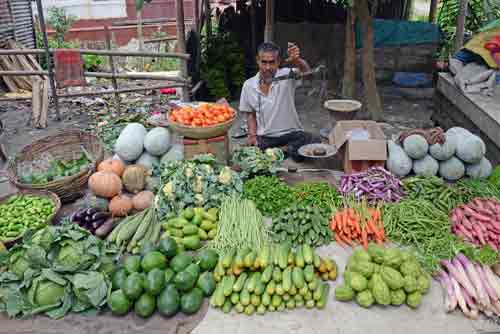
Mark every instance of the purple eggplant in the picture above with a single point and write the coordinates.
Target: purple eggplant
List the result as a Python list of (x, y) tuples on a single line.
[(77, 215), (100, 216), (91, 211)]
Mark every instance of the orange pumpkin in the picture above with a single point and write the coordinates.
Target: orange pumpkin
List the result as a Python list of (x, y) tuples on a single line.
[(112, 165), (105, 184), (120, 205)]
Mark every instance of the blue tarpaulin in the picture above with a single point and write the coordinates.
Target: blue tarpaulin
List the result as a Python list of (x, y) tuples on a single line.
[(397, 33)]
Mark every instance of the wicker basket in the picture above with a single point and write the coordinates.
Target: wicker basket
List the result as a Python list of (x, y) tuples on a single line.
[(39, 193), (62, 146), (205, 132)]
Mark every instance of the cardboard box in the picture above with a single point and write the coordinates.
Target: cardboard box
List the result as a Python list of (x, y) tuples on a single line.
[(361, 144)]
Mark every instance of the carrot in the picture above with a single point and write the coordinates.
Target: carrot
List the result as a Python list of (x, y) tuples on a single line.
[(364, 239), (355, 223), (347, 240), (338, 240), (332, 223)]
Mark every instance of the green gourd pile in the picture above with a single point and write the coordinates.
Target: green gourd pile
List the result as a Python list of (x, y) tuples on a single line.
[(272, 279), (162, 279), (383, 276)]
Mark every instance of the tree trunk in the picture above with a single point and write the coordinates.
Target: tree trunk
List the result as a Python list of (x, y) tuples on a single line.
[(433, 11), (181, 43), (372, 99), (349, 80), (459, 36), (269, 28)]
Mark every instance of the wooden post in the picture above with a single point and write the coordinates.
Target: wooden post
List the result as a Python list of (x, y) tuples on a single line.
[(269, 29), (349, 80), (140, 37), (181, 43), (113, 70), (459, 36), (208, 16), (50, 67), (253, 25), (196, 14), (433, 11)]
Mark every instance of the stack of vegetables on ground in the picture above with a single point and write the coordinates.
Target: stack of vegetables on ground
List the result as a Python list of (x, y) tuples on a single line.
[(433, 189), (198, 182), (272, 279), (22, 212), (162, 279), (383, 276), (240, 225), (471, 286), (253, 162), (358, 224), (135, 230), (269, 193), (193, 226), (456, 154), (56, 270), (111, 181), (375, 184), (206, 114), (317, 194), (138, 146), (300, 224), (478, 222)]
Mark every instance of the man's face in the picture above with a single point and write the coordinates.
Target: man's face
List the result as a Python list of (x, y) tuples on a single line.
[(268, 64)]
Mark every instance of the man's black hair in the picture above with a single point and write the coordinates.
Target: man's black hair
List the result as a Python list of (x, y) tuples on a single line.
[(269, 47)]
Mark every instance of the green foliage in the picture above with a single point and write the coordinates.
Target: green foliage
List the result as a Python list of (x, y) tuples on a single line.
[(61, 22), (222, 65), (92, 62), (477, 16)]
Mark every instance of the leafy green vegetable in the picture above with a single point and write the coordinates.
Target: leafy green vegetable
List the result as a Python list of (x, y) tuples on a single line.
[(198, 182), (54, 271), (269, 193), (318, 194), (252, 161)]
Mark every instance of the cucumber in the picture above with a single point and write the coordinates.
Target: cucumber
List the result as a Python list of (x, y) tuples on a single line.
[(240, 282), (287, 279), (240, 256), (286, 297), (277, 276), (250, 259), (291, 258), (293, 291), (313, 285), (316, 261), (239, 308), (260, 287), (267, 275), (226, 308), (310, 304), (308, 296), (290, 304), (228, 283), (276, 301), (298, 298), (303, 291), (309, 273), (250, 309), (299, 258), (255, 300), (261, 309), (279, 290), (227, 260), (264, 257), (202, 234), (178, 222), (219, 295), (317, 293), (298, 278), (235, 298), (321, 303), (271, 288), (266, 299), (283, 255), (245, 297), (308, 254), (253, 282)]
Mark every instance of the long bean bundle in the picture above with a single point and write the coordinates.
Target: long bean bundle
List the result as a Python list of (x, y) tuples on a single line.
[(419, 224), (240, 225)]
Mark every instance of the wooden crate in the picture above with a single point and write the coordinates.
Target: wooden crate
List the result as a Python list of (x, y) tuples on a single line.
[(218, 146)]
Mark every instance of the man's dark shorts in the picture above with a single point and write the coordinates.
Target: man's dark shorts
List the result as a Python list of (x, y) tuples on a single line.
[(293, 141)]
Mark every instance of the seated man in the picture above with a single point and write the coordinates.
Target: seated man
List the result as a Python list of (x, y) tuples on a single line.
[(270, 106)]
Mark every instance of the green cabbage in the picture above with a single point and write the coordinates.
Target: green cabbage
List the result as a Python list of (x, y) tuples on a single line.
[(47, 293)]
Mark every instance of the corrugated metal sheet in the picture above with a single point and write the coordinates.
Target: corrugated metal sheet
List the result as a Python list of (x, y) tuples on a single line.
[(6, 27), (23, 22)]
